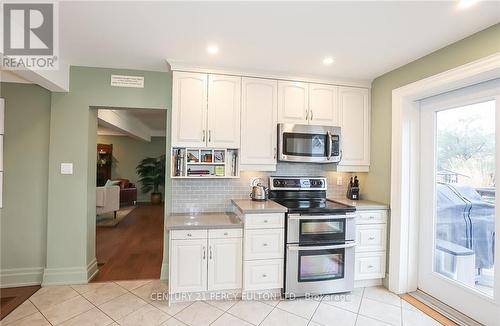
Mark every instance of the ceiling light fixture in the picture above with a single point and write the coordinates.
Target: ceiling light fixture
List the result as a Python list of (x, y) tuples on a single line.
[(328, 61), (213, 49), (464, 4)]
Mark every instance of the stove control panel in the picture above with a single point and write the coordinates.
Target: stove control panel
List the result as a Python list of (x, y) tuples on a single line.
[(298, 183)]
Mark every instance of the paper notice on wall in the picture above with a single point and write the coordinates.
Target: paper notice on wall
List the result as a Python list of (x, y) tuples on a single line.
[(127, 81)]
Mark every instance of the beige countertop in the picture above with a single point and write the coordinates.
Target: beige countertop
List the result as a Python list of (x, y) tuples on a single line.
[(359, 204), (248, 206), (185, 221)]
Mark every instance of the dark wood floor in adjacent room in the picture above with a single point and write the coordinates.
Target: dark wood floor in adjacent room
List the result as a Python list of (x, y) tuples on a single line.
[(133, 249), (11, 298)]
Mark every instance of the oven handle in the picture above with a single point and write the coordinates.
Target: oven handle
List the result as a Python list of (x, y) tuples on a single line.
[(320, 217), (307, 248)]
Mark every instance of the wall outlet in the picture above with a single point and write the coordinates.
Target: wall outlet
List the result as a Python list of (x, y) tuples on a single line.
[(339, 181)]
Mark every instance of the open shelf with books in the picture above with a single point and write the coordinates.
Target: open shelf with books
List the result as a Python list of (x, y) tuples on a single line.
[(205, 163)]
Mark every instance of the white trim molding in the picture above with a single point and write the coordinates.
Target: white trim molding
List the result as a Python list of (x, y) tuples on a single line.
[(14, 277), (403, 252), (69, 275), (175, 65)]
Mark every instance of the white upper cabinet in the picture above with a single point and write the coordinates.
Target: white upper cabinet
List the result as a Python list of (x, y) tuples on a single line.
[(206, 110), (308, 103), (323, 105), (293, 102), (259, 115), (354, 108), (224, 101), (189, 109)]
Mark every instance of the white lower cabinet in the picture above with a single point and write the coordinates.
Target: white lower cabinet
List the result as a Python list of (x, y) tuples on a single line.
[(263, 252), (188, 266), (205, 264), (263, 274), (371, 234), (224, 264)]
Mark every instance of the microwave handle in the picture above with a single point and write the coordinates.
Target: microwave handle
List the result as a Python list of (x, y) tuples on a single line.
[(309, 248), (328, 145)]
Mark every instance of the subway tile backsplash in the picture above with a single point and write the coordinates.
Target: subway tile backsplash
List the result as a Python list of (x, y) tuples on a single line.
[(214, 195)]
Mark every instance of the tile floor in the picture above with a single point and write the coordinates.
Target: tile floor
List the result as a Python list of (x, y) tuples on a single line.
[(131, 303)]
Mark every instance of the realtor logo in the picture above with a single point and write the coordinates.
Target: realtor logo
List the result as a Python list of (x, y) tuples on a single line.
[(29, 36)]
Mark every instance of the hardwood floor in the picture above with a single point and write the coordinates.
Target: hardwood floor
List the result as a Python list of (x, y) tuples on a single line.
[(11, 298), (132, 250), (427, 310)]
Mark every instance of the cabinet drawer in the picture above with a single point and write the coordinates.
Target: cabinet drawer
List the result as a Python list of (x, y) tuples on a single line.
[(225, 233), (264, 221), (369, 265), (263, 274), (188, 234), (370, 237), (371, 217), (264, 244)]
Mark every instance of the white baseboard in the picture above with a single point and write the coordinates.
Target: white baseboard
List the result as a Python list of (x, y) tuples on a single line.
[(367, 283), (164, 272), (14, 277), (69, 275)]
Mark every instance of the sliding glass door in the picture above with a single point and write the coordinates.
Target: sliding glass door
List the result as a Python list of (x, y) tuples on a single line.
[(458, 250)]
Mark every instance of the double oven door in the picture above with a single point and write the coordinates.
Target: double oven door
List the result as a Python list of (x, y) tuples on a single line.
[(319, 254)]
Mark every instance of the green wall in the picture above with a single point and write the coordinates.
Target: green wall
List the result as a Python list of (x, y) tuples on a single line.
[(127, 153), (26, 155), (472, 48), (73, 135)]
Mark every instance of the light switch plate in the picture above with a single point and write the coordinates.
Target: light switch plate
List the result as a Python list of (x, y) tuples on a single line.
[(66, 168)]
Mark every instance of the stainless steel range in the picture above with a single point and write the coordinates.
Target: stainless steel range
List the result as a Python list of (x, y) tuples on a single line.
[(320, 237)]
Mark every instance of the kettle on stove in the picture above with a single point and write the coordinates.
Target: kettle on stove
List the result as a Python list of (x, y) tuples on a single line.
[(259, 192)]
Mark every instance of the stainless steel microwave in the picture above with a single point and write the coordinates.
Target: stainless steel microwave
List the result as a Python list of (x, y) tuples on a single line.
[(308, 143)]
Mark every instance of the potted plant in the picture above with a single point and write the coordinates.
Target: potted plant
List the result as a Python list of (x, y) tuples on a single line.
[(151, 171)]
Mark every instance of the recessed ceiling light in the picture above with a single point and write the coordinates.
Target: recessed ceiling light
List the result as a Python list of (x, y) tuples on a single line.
[(464, 4), (328, 61), (213, 49)]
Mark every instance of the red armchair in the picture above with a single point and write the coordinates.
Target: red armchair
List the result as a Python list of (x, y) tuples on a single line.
[(128, 192)]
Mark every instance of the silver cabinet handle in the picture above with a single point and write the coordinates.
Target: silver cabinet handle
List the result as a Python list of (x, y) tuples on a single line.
[(264, 275), (370, 266), (371, 238), (265, 221), (371, 217), (312, 114), (307, 114), (225, 233), (204, 252), (203, 135), (209, 135), (210, 255), (189, 235), (264, 244)]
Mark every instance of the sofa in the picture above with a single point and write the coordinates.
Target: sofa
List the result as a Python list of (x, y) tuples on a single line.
[(128, 192), (107, 200)]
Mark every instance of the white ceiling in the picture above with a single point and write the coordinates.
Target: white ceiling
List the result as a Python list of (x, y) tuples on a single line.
[(366, 39), (154, 120)]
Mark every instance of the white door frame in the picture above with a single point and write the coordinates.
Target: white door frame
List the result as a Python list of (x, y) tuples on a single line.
[(405, 187)]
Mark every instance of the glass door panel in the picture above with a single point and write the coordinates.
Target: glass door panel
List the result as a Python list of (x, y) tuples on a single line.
[(465, 195), (321, 265)]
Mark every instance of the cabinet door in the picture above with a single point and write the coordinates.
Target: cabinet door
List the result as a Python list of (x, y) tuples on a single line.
[(259, 114), (189, 109), (188, 263), (224, 264), (355, 122), (293, 102), (323, 105), (224, 103)]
